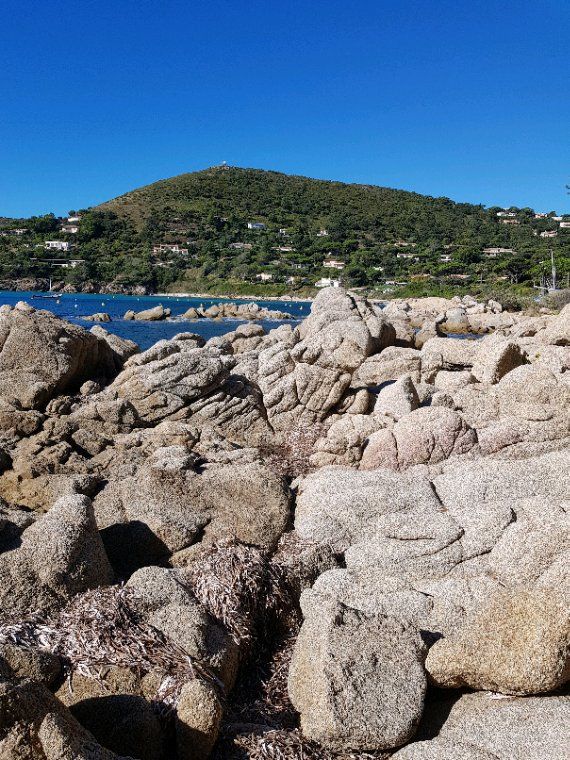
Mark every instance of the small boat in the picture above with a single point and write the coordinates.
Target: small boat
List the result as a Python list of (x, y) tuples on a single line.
[(49, 296)]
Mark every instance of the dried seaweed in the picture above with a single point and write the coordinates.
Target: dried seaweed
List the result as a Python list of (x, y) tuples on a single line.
[(238, 586), (103, 628), (291, 455)]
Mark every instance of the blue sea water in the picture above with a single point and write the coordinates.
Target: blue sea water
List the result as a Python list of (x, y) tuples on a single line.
[(75, 306)]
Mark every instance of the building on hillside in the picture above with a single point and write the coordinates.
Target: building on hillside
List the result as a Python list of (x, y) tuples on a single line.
[(556, 218), (70, 229), (445, 258), (333, 264), (284, 248), (549, 234), (327, 282), (283, 232), (291, 280), (57, 245), (322, 233), (169, 248), (407, 256), (506, 214), (264, 277), (256, 226), (404, 244), (510, 221), (541, 216), (494, 251), (73, 219), (458, 276), (565, 225), (62, 263), (241, 246)]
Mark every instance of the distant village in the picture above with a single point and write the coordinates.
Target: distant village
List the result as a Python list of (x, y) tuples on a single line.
[(62, 250)]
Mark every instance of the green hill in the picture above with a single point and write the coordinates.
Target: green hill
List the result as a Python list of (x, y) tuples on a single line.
[(191, 232)]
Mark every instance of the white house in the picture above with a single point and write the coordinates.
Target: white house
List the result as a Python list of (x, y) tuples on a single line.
[(170, 248), (445, 257), (548, 234), (565, 225), (556, 218), (57, 245), (506, 214), (70, 229), (73, 219), (327, 282), (255, 226), (333, 264), (510, 221), (264, 277), (494, 251), (322, 233)]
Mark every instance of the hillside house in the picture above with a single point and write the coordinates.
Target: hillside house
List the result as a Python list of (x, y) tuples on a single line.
[(506, 214), (407, 256), (241, 246), (322, 233), (284, 248), (565, 225), (333, 264), (256, 226), (445, 258), (73, 219), (556, 218), (264, 277), (549, 234), (169, 248), (57, 245), (509, 221), (327, 282), (70, 229), (493, 252)]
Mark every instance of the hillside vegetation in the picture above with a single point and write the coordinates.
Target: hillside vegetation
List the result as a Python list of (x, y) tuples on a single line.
[(381, 239)]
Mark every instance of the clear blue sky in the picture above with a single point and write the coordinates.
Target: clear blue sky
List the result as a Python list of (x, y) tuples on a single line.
[(465, 99)]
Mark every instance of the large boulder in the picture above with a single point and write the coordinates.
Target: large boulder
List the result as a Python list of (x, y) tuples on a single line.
[(498, 360), (398, 399), (357, 681), (60, 555), (531, 728), (165, 379), (427, 435), (516, 643), (42, 356), (167, 505), (304, 376), (34, 725)]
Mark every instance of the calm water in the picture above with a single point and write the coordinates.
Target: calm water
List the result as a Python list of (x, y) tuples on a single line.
[(74, 306)]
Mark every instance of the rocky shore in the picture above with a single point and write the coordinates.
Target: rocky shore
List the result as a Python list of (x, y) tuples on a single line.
[(342, 539)]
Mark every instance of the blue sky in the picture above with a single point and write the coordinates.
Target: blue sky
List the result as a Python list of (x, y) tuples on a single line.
[(468, 100)]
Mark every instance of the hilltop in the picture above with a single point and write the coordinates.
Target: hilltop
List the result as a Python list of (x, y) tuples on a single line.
[(234, 230)]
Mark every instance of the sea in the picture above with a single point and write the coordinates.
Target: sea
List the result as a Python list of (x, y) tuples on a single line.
[(74, 307)]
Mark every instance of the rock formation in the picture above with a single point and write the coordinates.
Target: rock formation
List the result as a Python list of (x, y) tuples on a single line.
[(356, 518)]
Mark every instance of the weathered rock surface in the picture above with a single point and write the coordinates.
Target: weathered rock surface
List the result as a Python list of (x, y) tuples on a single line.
[(422, 436), (41, 356), (60, 555), (358, 681), (517, 643)]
